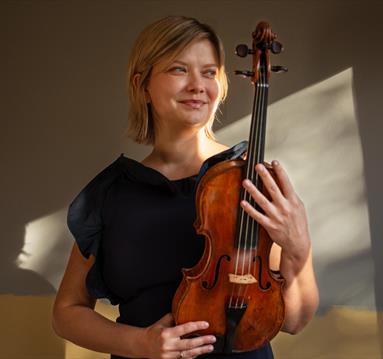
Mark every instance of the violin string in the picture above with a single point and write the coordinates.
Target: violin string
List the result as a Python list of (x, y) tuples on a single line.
[(261, 118), (248, 232), (254, 158), (242, 233), (252, 175), (254, 233), (260, 149), (248, 235)]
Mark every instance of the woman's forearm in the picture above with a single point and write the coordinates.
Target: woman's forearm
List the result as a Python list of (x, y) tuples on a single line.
[(87, 328), (300, 291)]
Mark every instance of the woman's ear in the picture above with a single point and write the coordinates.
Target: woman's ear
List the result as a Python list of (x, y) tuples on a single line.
[(136, 80), (136, 85)]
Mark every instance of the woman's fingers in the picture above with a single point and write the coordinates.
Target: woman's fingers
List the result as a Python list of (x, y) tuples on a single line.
[(281, 194), (258, 197), (168, 342), (263, 220), (284, 181), (195, 351), (284, 215), (269, 182), (188, 348), (196, 343), (187, 328)]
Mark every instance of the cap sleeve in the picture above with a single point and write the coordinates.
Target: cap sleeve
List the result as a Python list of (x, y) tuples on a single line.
[(84, 213), (85, 223)]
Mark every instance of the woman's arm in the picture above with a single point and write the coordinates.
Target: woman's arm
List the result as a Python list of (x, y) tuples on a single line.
[(300, 291), (285, 220), (74, 319)]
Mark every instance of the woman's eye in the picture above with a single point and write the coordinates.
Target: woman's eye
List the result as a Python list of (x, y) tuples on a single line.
[(177, 69), (211, 73)]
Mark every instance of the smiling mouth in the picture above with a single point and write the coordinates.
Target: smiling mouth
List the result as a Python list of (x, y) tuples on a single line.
[(195, 104)]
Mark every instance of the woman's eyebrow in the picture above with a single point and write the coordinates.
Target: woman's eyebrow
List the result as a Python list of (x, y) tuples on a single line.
[(185, 63)]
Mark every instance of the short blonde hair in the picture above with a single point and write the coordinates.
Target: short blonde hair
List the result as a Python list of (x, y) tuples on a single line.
[(161, 41)]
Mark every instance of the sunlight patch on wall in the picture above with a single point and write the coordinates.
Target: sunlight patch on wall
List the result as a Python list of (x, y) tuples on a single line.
[(314, 133), (46, 247)]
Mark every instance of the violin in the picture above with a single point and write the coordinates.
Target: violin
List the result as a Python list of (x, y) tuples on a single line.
[(232, 286)]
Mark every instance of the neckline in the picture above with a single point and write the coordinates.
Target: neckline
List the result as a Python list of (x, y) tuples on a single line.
[(150, 175), (152, 171)]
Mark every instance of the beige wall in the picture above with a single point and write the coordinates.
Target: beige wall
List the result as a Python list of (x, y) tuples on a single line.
[(342, 333), (64, 110)]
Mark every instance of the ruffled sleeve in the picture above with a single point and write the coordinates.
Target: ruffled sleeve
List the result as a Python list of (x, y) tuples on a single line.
[(85, 223)]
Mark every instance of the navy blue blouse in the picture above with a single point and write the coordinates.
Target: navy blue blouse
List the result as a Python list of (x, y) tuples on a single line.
[(139, 226)]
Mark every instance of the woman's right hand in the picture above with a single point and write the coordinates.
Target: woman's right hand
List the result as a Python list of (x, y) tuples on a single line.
[(165, 340)]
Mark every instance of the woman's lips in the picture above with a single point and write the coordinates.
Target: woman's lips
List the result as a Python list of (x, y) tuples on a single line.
[(195, 104)]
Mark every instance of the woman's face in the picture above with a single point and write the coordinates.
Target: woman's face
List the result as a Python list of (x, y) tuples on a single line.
[(185, 93)]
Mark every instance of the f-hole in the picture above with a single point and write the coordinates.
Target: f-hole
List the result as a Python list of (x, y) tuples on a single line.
[(258, 261), (205, 283)]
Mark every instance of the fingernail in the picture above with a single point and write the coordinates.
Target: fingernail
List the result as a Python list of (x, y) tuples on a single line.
[(205, 324), (210, 348), (260, 168), (213, 339), (246, 182), (275, 163)]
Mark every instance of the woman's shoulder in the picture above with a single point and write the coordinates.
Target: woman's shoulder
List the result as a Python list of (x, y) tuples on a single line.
[(98, 183), (121, 167), (223, 152), (228, 153), (84, 212)]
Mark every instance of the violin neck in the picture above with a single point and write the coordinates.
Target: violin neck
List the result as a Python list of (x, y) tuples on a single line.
[(257, 137), (247, 228)]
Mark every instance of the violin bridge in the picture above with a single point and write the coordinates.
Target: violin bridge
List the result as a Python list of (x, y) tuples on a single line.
[(242, 278)]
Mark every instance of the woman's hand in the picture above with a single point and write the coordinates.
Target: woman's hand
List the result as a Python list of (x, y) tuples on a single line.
[(284, 216), (285, 220), (165, 342)]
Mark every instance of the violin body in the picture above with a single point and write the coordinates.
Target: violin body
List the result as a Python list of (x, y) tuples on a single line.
[(207, 288)]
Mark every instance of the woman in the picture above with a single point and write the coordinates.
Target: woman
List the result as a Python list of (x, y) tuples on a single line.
[(133, 223)]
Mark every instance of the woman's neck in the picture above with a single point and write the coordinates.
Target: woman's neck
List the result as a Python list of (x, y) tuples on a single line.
[(183, 155)]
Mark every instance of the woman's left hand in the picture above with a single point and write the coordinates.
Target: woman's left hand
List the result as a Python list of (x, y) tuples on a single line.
[(284, 216)]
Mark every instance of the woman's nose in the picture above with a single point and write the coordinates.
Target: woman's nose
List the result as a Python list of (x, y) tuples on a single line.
[(195, 83)]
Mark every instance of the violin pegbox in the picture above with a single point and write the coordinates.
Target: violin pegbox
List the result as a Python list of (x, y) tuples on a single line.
[(263, 42)]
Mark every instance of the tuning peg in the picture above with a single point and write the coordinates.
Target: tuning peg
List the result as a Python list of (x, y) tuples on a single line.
[(244, 73), (276, 47), (279, 68), (242, 50)]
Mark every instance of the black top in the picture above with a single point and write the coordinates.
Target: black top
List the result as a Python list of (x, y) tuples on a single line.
[(139, 226)]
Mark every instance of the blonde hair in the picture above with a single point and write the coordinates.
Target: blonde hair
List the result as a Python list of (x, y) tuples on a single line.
[(161, 41)]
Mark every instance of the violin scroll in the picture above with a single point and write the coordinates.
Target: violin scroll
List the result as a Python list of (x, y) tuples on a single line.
[(263, 42)]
